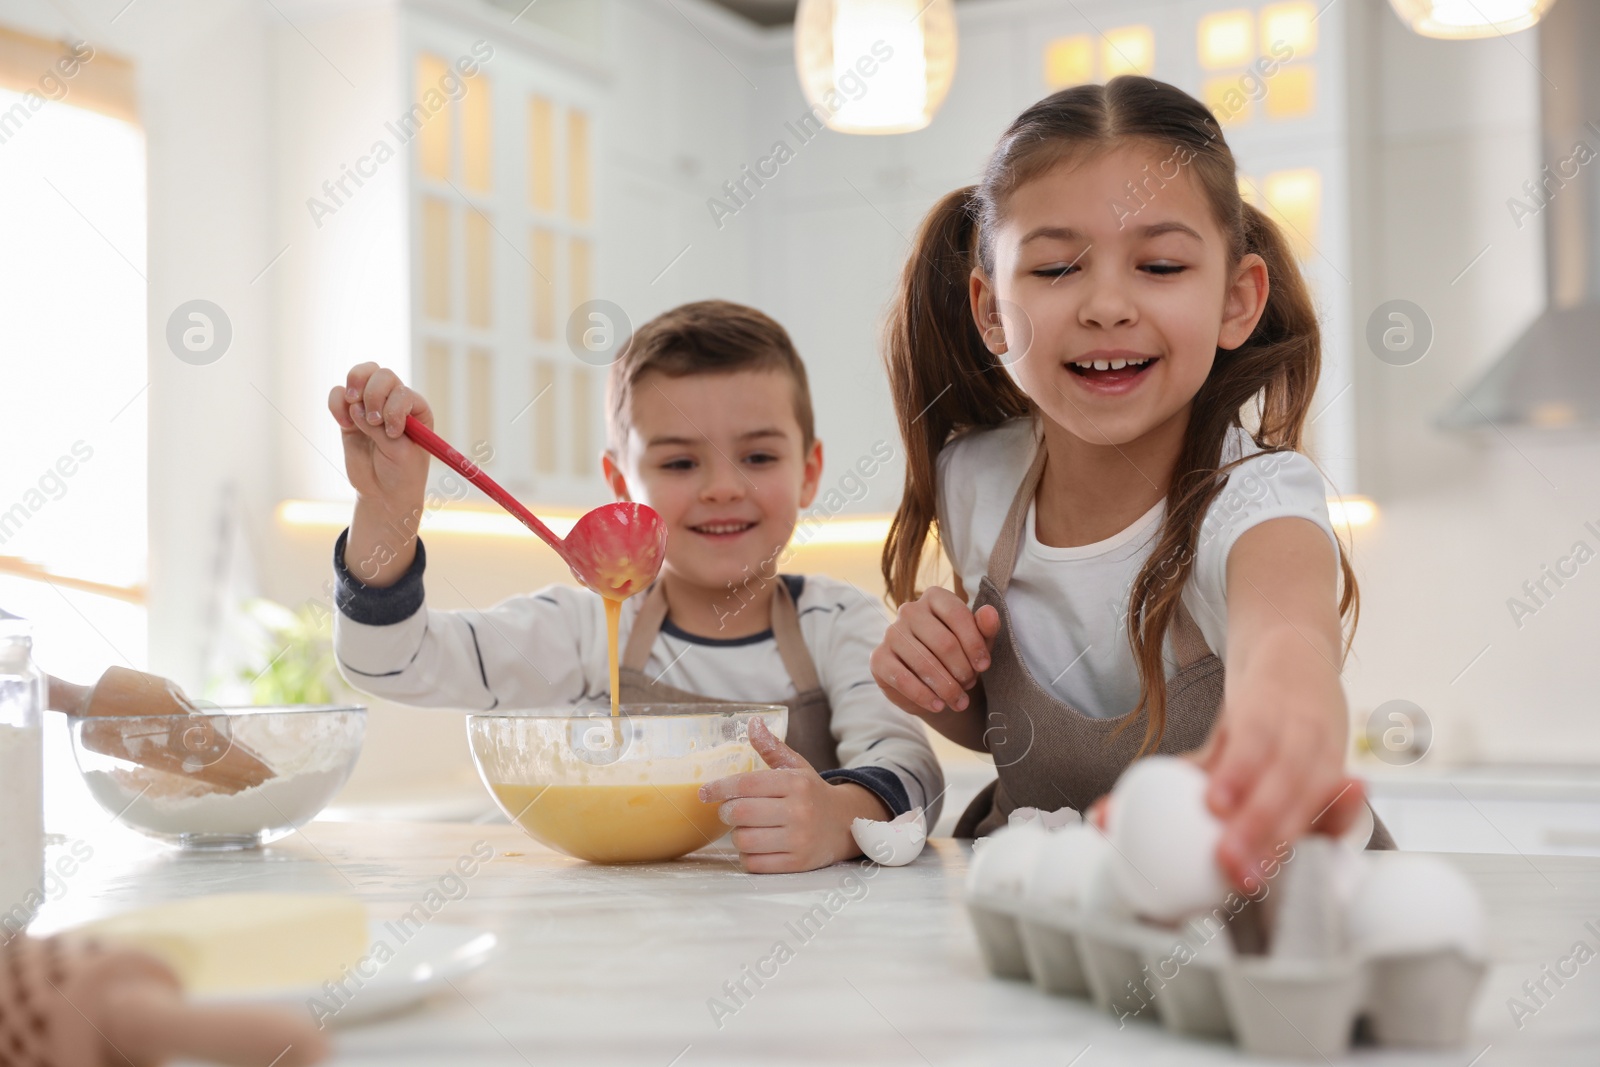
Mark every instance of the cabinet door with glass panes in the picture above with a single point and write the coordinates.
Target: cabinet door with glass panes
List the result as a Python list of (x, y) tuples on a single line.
[(502, 207)]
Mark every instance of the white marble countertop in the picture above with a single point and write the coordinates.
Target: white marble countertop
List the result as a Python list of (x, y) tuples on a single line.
[(618, 965)]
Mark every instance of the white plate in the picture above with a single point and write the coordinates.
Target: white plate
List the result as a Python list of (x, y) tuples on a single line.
[(394, 975)]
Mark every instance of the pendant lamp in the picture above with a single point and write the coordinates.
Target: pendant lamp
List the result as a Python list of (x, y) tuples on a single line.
[(875, 66)]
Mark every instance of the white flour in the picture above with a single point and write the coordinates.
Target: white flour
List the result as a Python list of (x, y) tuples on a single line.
[(21, 815), (311, 753)]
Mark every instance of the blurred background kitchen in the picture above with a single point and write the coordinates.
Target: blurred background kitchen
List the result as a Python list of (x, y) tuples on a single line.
[(211, 209)]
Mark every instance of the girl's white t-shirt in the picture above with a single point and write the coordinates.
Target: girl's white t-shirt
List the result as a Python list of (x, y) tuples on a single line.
[(1069, 606)]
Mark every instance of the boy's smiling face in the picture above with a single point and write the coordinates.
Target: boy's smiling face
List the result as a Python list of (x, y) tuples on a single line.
[(721, 457), (1149, 294)]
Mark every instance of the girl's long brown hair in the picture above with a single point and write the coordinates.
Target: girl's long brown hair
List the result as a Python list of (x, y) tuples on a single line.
[(944, 380)]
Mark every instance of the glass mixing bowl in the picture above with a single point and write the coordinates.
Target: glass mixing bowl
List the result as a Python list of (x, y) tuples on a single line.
[(618, 789), (154, 773)]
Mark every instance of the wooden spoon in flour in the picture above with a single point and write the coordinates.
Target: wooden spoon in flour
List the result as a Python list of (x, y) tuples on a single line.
[(193, 746)]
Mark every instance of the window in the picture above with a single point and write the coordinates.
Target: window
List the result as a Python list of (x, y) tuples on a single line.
[(1081, 58), (73, 528), (1259, 59), (73, 425)]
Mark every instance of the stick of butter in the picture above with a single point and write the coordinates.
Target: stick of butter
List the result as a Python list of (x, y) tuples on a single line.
[(245, 941)]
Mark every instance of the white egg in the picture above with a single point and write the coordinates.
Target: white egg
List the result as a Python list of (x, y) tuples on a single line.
[(1410, 903), (894, 843), (1002, 861), (1066, 858), (1098, 889), (1166, 840)]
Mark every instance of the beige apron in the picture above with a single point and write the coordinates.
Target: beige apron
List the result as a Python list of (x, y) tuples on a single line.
[(810, 714), (1048, 754)]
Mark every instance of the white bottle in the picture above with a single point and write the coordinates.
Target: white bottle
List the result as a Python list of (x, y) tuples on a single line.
[(22, 699)]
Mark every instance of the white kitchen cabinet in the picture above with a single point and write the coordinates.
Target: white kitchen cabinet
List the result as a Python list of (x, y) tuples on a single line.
[(460, 231), (833, 306), (683, 97), (558, 175), (825, 163), (1525, 810), (502, 208), (989, 90), (679, 99), (831, 280)]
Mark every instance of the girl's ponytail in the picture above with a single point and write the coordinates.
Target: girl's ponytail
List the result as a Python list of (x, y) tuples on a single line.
[(941, 376), (1288, 329), (1292, 342)]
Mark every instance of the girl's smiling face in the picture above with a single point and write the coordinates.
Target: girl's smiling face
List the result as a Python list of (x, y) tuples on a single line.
[(1085, 276)]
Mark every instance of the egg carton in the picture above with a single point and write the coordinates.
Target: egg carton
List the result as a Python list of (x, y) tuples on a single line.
[(1193, 980)]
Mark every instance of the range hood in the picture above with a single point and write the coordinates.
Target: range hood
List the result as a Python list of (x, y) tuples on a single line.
[(1550, 377)]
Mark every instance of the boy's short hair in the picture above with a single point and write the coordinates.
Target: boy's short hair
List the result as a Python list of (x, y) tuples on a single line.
[(705, 337)]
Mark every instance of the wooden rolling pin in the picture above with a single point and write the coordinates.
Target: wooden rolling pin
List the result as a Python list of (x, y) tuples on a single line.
[(192, 747)]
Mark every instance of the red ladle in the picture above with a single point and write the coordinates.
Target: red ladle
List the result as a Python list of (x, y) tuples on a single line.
[(616, 549)]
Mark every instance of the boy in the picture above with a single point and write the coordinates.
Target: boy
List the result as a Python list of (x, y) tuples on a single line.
[(710, 423)]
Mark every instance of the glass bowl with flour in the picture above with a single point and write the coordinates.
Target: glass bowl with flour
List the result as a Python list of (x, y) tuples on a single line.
[(618, 788), (311, 750)]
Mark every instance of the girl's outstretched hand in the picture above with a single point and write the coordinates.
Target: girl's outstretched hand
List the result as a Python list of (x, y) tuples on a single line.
[(933, 652), (1276, 757), (1274, 777)]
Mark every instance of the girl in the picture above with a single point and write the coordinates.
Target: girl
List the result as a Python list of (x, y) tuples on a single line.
[(1072, 352)]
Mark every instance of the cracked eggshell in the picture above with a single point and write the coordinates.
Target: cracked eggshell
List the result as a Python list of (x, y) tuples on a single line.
[(1166, 840), (1002, 862), (1050, 820), (1408, 903), (894, 843), (1065, 860)]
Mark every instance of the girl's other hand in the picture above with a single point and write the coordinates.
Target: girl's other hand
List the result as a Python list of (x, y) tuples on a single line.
[(933, 652)]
